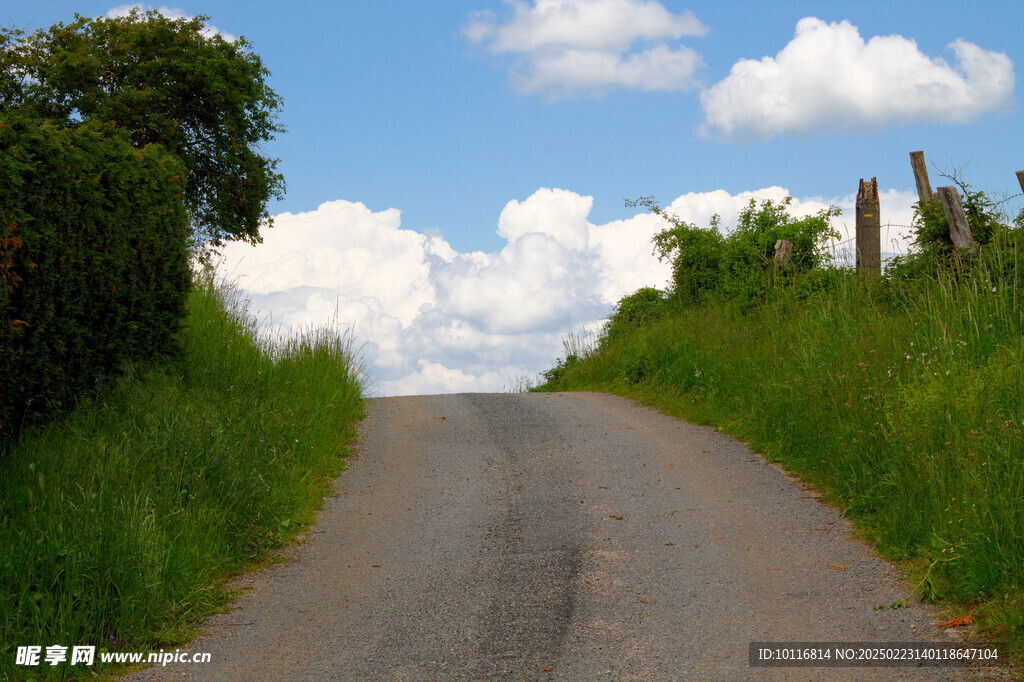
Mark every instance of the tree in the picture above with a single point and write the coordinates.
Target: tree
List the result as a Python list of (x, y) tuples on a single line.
[(166, 81)]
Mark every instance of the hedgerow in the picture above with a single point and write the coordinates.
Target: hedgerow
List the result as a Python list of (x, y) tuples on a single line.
[(94, 264)]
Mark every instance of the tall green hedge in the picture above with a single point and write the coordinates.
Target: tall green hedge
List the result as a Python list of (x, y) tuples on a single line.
[(93, 260)]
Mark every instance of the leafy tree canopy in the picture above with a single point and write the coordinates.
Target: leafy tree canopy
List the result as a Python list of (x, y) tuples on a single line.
[(165, 81)]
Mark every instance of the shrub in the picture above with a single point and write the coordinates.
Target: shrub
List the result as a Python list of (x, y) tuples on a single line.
[(706, 262), (634, 310), (555, 375), (750, 248), (696, 255), (93, 260), (934, 254), (931, 230)]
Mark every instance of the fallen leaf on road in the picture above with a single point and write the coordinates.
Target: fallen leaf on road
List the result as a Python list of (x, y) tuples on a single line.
[(613, 516), (548, 668), (837, 567), (957, 622), (718, 537), (670, 544)]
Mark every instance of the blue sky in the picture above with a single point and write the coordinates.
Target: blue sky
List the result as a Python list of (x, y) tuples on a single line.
[(448, 111)]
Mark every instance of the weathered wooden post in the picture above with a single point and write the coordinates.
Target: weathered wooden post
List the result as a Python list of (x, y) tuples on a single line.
[(783, 252), (924, 186), (959, 229), (869, 229), (1020, 179)]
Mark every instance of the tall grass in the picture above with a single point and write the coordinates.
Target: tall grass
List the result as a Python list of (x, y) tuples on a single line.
[(903, 401), (120, 524)]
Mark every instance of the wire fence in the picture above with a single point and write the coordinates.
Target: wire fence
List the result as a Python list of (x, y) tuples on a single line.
[(895, 240)]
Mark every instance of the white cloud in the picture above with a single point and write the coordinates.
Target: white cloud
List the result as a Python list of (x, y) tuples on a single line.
[(208, 32), (572, 71), (567, 47), (433, 319), (828, 77), (582, 24)]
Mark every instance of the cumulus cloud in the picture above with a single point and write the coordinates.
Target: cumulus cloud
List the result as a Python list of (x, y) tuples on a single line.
[(432, 319), (828, 77), (208, 32), (567, 47)]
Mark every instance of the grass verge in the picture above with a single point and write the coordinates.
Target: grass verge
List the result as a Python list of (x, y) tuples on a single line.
[(904, 403), (120, 524)]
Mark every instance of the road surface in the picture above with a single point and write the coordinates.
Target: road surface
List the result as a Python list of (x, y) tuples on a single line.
[(575, 536)]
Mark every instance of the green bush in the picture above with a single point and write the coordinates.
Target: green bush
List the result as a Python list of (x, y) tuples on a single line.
[(556, 373), (931, 230), (706, 262), (934, 255), (697, 256), (93, 260), (749, 250), (641, 306)]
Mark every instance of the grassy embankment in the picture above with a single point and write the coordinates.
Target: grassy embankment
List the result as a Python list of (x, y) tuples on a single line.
[(121, 522), (903, 400)]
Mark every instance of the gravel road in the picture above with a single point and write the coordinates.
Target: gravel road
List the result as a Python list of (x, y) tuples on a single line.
[(574, 536)]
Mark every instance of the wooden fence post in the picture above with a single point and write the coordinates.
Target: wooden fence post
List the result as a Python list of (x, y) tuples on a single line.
[(783, 252), (924, 186), (1020, 179), (959, 229), (869, 229)]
